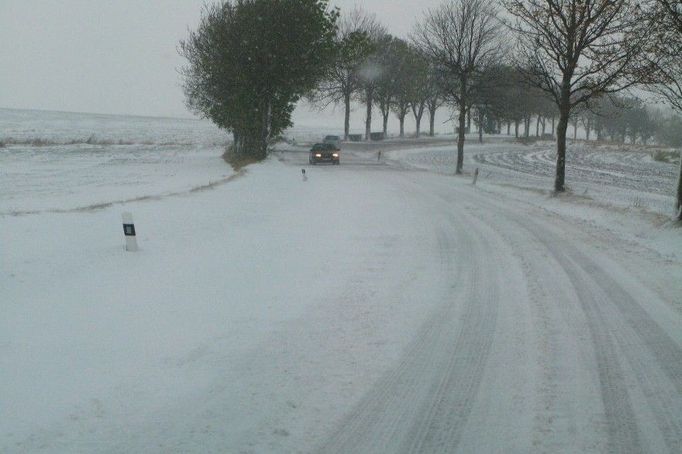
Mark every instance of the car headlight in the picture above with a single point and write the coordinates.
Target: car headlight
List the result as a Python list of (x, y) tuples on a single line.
[(318, 155), (336, 155)]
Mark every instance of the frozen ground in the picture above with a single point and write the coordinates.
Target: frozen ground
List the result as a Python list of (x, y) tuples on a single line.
[(625, 177), (66, 127), (57, 161), (374, 307)]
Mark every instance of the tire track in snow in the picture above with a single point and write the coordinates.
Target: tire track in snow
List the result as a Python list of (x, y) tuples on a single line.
[(607, 304), (445, 415), (358, 430), (622, 169), (423, 404), (552, 415), (620, 416), (616, 319)]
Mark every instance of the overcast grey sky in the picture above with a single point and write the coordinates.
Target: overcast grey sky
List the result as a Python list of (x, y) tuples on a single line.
[(117, 56)]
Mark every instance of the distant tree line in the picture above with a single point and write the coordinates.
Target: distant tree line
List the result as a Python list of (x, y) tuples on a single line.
[(551, 65)]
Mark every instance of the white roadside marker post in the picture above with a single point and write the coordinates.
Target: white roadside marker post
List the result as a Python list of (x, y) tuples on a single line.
[(305, 177), (129, 232)]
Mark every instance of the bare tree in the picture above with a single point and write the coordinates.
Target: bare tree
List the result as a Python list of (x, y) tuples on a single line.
[(432, 87), (404, 69), (419, 95), (665, 51), (433, 103), (461, 37), (436, 97), (353, 46), (386, 86), (371, 70), (370, 74), (576, 50), (665, 54)]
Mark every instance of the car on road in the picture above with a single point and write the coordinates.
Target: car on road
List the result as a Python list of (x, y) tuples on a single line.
[(324, 152)]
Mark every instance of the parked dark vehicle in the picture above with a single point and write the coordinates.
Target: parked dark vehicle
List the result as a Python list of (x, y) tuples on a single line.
[(324, 152)]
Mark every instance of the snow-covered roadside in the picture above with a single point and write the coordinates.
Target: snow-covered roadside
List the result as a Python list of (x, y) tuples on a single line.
[(625, 178), (351, 310), (636, 216), (602, 212), (177, 347), (78, 177)]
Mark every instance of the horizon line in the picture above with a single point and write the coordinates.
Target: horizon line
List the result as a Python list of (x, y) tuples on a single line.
[(102, 113)]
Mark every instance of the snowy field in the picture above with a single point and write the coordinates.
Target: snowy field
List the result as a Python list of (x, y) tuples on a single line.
[(378, 306), (617, 176), (56, 161)]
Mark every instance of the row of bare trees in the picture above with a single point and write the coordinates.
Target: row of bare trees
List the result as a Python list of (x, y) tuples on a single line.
[(381, 71), (555, 61), (581, 52)]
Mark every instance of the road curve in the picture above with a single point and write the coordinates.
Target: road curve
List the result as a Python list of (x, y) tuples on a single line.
[(546, 344)]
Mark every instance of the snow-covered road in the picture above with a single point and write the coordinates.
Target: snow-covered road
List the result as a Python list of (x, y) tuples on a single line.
[(546, 342), (372, 308)]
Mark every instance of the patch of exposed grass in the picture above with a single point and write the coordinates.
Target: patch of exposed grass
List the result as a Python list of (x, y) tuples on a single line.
[(669, 157), (238, 160)]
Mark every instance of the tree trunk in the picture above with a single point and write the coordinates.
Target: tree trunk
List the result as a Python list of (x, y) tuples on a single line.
[(463, 111), (537, 127), (516, 129), (564, 114), (402, 125), (368, 117), (575, 130), (552, 126), (260, 148), (480, 127), (250, 143), (508, 127), (432, 122), (385, 116), (678, 206), (544, 126), (418, 112), (588, 128), (460, 139), (468, 126), (346, 120)]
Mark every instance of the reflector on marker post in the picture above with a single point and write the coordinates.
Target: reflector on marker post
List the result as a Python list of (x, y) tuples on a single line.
[(129, 232)]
